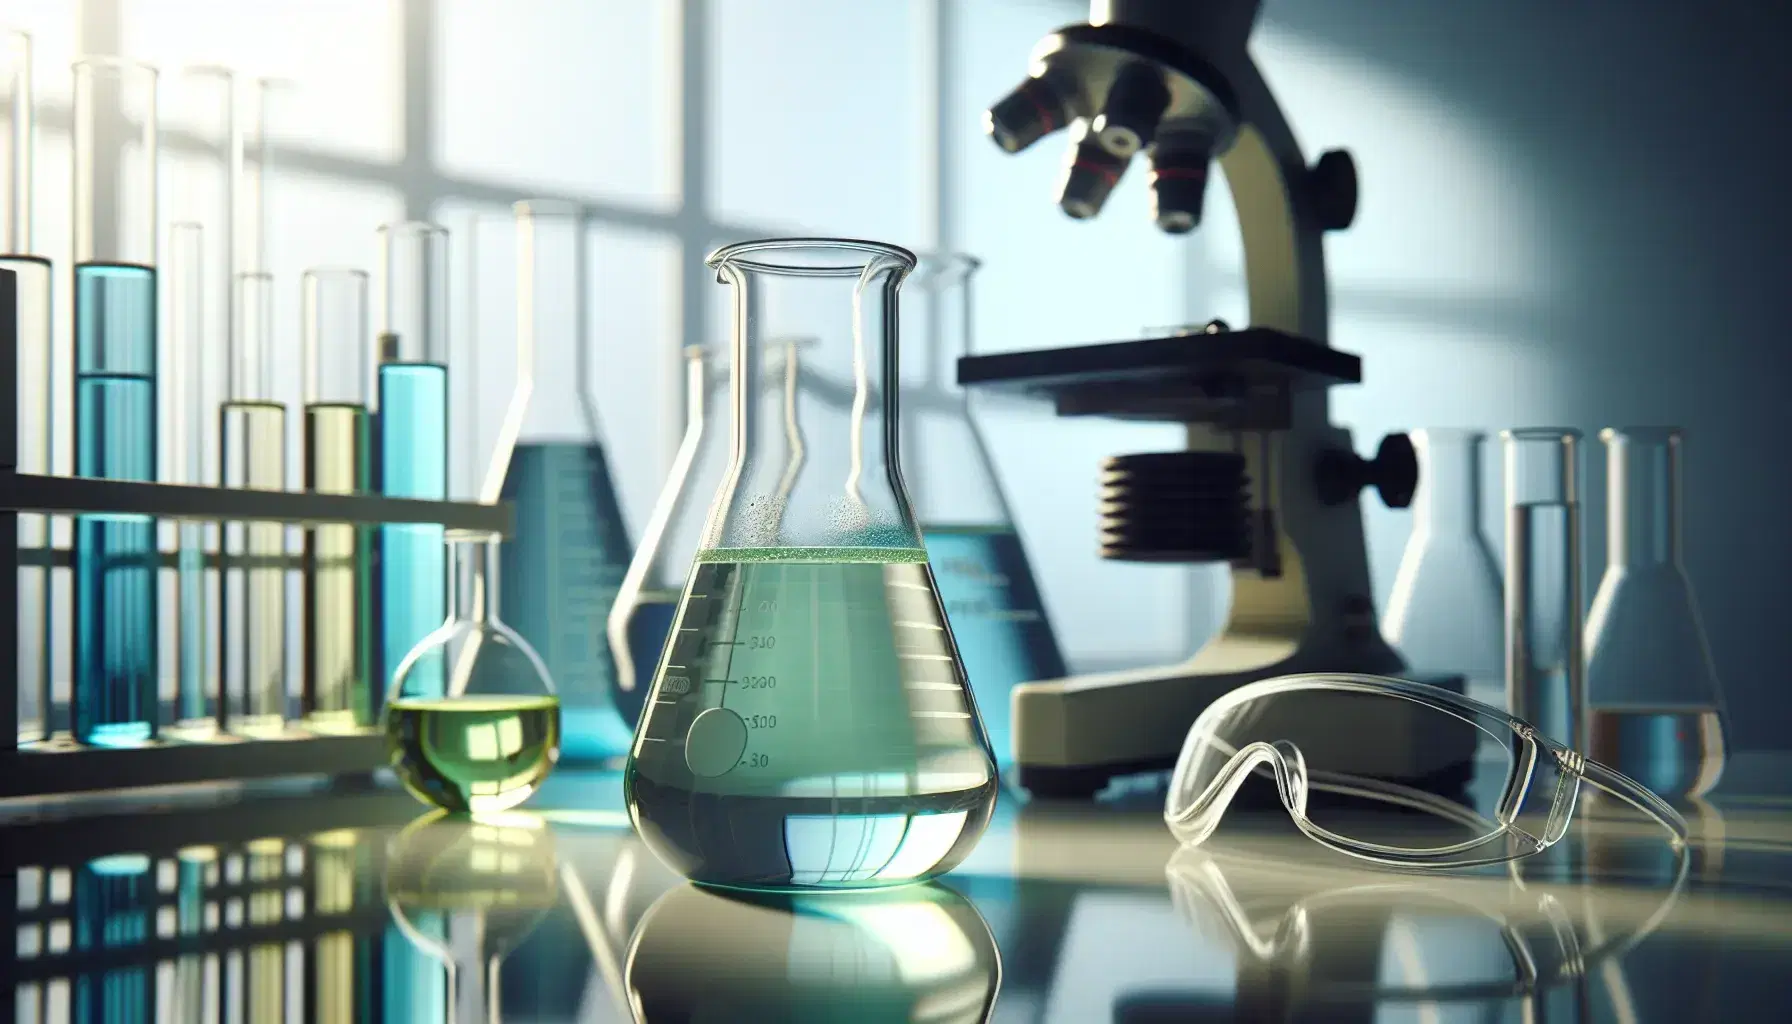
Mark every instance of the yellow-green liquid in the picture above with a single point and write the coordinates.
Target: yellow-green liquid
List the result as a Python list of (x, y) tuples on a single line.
[(476, 753), (338, 605)]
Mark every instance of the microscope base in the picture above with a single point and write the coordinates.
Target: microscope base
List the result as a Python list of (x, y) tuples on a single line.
[(1131, 723)]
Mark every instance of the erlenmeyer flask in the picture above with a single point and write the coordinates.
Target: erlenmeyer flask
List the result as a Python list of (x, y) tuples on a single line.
[(641, 618), (567, 556), (472, 715), (1446, 613), (475, 888), (1656, 711), (984, 576), (809, 725)]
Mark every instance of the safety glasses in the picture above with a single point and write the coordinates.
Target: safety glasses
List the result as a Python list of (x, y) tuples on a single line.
[(1345, 749)]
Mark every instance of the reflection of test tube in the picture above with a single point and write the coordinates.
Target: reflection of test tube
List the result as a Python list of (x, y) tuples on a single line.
[(195, 699), (338, 566), (35, 382), (1544, 671), (411, 434), (115, 556), (252, 449)]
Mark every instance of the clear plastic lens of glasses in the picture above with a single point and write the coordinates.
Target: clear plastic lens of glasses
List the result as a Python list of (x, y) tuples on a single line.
[(810, 725), (1453, 775), (1656, 710), (1446, 612)]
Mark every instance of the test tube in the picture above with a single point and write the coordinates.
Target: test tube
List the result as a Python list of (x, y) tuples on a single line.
[(35, 380), (195, 697), (338, 683), (115, 556), (1544, 671), (411, 435), (252, 616)]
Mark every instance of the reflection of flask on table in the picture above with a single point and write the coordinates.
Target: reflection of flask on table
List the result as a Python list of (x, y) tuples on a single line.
[(1446, 612), (466, 894), (641, 618), (919, 954), (566, 557), (982, 571), (810, 726), (116, 619), (411, 435), (1652, 691)]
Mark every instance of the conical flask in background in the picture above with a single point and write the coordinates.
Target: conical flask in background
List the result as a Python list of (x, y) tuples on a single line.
[(1446, 614), (984, 576), (641, 617), (1656, 710), (566, 557), (810, 726)]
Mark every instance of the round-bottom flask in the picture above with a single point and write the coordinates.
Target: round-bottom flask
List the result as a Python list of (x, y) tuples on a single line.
[(810, 726), (472, 719)]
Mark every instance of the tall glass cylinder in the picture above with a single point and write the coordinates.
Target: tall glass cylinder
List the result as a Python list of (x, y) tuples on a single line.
[(34, 384), (338, 610), (1656, 707), (411, 434), (196, 695), (252, 619), (1544, 671), (115, 557), (1445, 614)]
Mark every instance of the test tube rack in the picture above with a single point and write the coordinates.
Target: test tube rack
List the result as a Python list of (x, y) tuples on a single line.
[(58, 766)]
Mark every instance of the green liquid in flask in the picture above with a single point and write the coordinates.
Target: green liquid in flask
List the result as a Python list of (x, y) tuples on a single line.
[(809, 726), (473, 753)]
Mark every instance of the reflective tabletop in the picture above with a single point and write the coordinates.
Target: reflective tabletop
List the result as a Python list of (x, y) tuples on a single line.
[(300, 903)]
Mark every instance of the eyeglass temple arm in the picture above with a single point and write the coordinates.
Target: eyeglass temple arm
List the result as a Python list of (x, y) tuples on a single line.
[(1636, 795)]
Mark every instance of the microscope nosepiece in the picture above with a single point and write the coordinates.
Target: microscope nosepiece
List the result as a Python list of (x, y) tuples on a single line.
[(1137, 99), (1032, 111), (1178, 187), (1089, 177)]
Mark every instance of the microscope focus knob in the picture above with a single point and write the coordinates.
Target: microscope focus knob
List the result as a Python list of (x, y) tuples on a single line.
[(1394, 473), (1331, 190)]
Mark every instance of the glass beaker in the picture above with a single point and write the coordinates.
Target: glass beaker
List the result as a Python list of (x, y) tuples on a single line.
[(467, 893), (810, 726), (570, 547), (1656, 708), (984, 576), (1544, 672), (641, 618), (1446, 612), (473, 716)]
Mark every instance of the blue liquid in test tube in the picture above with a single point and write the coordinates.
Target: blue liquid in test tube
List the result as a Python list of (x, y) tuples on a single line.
[(413, 454), (115, 556)]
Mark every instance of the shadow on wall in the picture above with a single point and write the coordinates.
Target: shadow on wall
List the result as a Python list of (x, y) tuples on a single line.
[(1572, 214)]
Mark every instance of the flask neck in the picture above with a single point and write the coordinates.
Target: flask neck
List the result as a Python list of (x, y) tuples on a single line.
[(1449, 498), (1643, 499), (473, 576)]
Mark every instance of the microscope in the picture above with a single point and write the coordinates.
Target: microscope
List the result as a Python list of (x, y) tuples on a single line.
[(1267, 484)]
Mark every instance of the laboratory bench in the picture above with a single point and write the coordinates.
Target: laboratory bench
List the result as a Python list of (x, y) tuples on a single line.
[(311, 901)]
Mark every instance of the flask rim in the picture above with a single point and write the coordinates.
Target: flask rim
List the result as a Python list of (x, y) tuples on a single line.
[(809, 257)]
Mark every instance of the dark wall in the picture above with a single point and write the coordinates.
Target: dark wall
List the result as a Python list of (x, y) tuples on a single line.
[(1658, 136)]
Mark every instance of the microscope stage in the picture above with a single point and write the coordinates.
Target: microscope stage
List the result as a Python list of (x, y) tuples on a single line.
[(1244, 375)]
